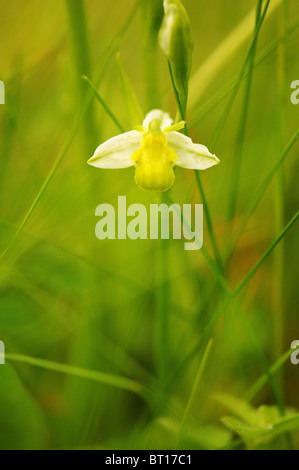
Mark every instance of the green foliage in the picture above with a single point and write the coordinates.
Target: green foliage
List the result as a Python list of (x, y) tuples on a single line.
[(22, 425), (260, 428), (124, 344), (165, 432)]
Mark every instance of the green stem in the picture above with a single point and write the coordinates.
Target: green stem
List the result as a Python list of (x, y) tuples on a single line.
[(79, 33), (181, 115), (215, 247), (207, 211), (162, 314), (279, 199), (198, 377), (151, 15)]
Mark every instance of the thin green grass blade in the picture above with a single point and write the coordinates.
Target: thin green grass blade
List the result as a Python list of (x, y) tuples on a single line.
[(279, 193), (201, 112), (162, 333), (273, 245), (255, 201), (216, 250), (231, 300), (242, 127), (222, 54), (226, 112), (101, 377), (132, 105), (209, 327), (217, 254), (260, 192), (195, 386), (52, 172), (104, 104), (262, 381)]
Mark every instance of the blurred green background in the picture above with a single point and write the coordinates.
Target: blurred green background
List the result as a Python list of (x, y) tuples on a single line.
[(135, 362)]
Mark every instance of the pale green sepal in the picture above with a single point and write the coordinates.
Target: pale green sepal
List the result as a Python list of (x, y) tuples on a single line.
[(116, 152), (191, 156)]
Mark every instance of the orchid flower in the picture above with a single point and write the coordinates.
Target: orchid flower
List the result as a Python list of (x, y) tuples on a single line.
[(154, 149)]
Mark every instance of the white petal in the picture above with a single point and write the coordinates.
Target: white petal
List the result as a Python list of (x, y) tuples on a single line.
[(191, 156), (116, 152), (158, 114)]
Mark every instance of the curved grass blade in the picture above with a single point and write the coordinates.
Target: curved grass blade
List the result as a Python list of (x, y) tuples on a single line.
[(198, 377), (96, 376), (228, 107), (231, 299), (104, 104), (198, 114), (222, 54), (52, 172), (129, 96), (261, 382), (242, 127)]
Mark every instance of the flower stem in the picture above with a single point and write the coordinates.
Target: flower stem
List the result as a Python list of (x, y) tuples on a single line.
[(162, 312), (216, 250), (279, 197), (79, 34), (152, 15)]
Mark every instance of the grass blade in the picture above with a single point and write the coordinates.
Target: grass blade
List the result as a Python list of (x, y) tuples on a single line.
[(104, 104), (52, 172), (222, 54), (242, 126), (96, 376)]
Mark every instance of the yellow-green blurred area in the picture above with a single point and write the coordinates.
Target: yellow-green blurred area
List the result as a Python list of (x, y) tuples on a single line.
[(138, 353)]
